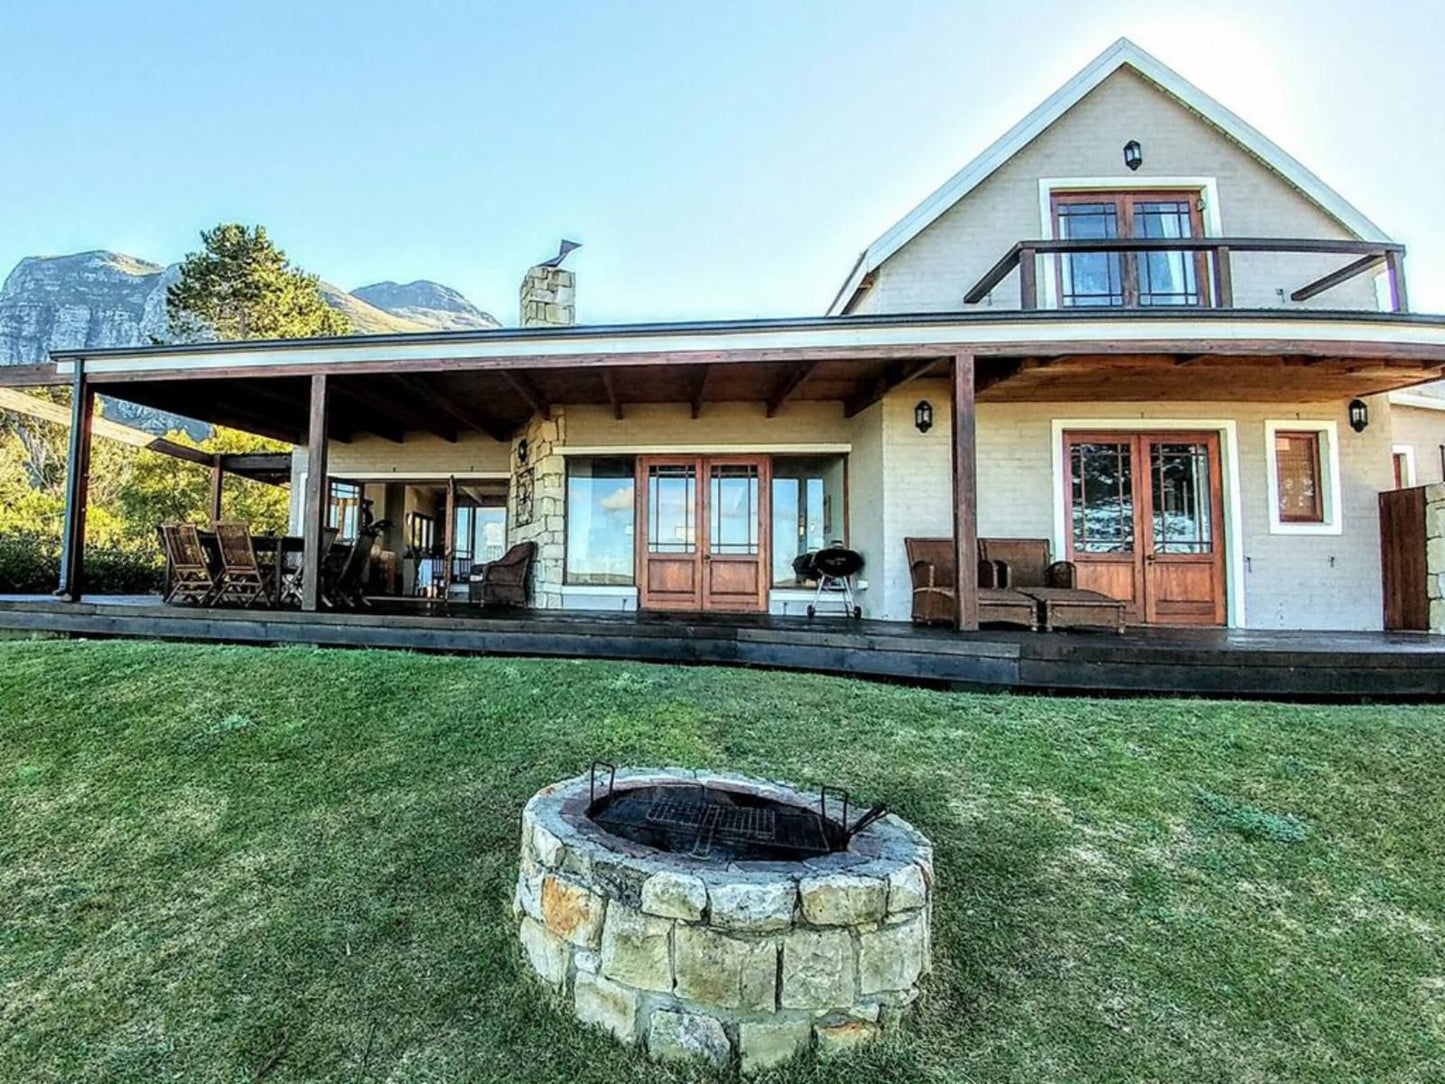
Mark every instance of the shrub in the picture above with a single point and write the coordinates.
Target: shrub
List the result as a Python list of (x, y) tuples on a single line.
[(30, 565)]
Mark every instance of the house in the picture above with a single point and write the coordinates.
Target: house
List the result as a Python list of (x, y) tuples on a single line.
[(1133, 326)]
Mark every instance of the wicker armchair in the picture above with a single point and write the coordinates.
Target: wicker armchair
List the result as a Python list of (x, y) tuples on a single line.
[(1028, 567), (930, 565), (504, 582)]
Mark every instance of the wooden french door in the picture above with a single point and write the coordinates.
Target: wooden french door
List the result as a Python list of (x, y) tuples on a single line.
[(1145, 522), (1128, 279), (703, 542)]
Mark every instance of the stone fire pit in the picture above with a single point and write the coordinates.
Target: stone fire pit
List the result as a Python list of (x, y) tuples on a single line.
[(698, 953)]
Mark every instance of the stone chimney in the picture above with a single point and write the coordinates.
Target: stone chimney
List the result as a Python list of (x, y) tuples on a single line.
[(549, 294)]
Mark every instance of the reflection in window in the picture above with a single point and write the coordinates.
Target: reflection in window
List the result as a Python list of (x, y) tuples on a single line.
[(1166, 278), (671, 508), (1102, 492), (1183, 511), (600, 521), (807, 509), (733, 501), (1297, 472), (1091, 278), (481, 533)]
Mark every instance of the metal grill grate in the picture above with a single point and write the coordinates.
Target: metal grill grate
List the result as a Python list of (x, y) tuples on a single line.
[(727, 822)]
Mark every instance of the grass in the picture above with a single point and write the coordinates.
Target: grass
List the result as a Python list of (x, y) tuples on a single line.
[(226, 864)]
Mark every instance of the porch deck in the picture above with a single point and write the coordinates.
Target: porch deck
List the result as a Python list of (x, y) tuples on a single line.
[(1203, 662)]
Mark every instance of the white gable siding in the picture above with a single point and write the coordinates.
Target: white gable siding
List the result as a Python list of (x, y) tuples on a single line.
[(934, 270)]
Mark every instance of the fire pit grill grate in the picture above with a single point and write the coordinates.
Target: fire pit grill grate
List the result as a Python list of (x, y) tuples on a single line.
[(717, 823)]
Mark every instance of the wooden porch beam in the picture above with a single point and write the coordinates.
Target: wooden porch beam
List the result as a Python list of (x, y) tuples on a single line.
[(529, 391), (77, 487), (399, 412), (795, 379), (457, 411), (902, 373), (998, 373), (699, 389), (610, 385), (313, 514), (965, 495), (218, 486), (1334, 278)]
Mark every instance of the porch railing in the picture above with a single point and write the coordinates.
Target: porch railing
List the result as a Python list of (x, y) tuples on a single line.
[(1369, 255)]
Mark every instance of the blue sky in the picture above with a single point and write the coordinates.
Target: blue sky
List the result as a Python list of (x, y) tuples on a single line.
[(716, 160)]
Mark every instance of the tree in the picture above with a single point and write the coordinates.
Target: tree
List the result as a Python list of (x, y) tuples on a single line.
[(241, 286)]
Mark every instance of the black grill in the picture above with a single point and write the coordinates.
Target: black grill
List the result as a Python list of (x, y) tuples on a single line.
[(721, 824)]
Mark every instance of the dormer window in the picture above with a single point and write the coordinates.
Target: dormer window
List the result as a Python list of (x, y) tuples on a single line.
[(1127, 279)]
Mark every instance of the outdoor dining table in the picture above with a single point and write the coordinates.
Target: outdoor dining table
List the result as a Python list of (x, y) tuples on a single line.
[(271, 549)]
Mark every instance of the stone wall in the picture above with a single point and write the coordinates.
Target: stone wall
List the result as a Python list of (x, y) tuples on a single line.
[(754, 962), (545, 522), (1435, 553)]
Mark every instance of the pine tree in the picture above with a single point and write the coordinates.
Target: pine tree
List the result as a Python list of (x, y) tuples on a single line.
[(241, 286)]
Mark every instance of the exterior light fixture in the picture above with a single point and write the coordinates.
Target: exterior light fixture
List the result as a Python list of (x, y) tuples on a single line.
[(1359, 415), (923, 416), (1133, 154), (522, 451)]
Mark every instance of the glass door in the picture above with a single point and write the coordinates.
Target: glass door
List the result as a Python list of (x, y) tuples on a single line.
[(705, 532), (1129, 279), (1144, 522)]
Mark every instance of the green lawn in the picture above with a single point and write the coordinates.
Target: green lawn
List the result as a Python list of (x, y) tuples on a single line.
[(225, 864)]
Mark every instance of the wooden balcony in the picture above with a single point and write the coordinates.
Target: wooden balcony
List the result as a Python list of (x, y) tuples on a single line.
[(1215, 265)]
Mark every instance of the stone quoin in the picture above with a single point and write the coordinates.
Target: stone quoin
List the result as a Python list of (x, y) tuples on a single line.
[(715, 960)]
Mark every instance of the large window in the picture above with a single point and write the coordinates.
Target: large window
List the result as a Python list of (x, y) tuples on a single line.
[(600, 521), (343, 509), (481, 533), (807, 510), (1092, 279)]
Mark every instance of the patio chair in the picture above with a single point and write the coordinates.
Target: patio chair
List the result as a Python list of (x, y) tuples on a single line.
[(1028, 567), (347, 586), (290, 562), (191, 579), (244, 580), (930, 565), (504, 582)]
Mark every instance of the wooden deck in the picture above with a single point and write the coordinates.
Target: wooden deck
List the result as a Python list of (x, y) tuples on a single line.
[(1202, 662)]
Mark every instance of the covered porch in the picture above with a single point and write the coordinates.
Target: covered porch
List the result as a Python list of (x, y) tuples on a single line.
[(871, 422)]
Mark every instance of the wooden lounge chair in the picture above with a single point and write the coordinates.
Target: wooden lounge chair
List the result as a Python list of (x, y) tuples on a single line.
[(504, 582), (243, 579), (930, 564), (191, 580), (347, 586), (1028, 568)]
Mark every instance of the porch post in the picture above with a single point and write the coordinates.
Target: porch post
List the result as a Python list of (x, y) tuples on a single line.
[(313, 514), (965, 496), (218, 481), (450, 549), (77, 487)]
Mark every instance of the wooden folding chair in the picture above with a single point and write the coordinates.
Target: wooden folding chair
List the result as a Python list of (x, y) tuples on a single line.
[(243, 579), (192, 581)]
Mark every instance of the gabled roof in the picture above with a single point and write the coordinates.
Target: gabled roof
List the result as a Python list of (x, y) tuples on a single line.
[(1123, 53)]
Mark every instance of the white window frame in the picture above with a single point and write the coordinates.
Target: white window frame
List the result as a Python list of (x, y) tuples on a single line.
[(1329, 435), (1208, 192), (1408, 451)]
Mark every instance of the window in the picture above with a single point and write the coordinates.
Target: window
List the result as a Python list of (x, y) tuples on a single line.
[(1297, 470), (481, 533), (600, 521), (1402, 459), (420, 534), (1302, 466), (343, 509), (1113, 279), (807, 507)]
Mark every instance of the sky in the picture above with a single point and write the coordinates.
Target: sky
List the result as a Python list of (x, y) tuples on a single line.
[(715, 160)]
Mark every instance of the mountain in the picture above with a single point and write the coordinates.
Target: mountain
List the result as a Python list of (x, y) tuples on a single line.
[(428, 303), (111, 299)]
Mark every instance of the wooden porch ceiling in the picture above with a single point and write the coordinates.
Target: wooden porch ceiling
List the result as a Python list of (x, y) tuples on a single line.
[(449, 403)]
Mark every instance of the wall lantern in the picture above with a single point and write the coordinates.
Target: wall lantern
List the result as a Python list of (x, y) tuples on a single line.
[(522, 451), (1359, 415), (923, 416), (1133, 154)]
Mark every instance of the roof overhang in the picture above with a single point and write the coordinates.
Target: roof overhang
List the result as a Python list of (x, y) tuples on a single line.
[(1123, 53)]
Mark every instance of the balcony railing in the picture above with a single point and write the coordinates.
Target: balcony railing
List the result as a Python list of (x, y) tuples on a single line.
[(1217, 252)]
